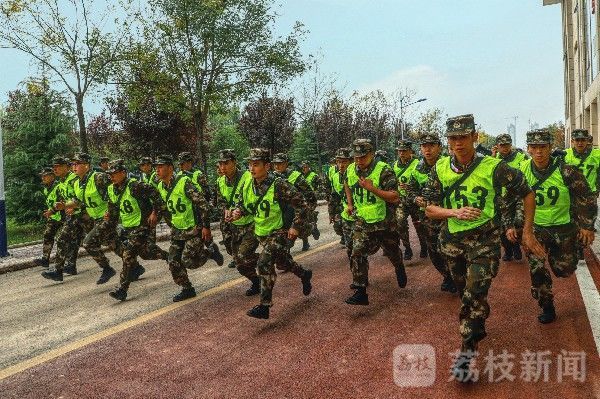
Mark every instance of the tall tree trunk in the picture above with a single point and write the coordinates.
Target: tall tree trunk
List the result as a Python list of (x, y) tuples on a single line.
[(81, 119), (200, 124)]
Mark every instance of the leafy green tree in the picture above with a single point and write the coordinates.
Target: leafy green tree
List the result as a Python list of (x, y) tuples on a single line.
[(37, 125), (225, 134), (305, 148)]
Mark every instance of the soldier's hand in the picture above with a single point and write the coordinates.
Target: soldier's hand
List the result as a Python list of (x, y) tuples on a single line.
[(59, 206), (331, 220), (367, 184), (467, 213), (533, 245), (47, 214), (350, 210), (236, 214), (403, 186), (586, 237), (420, 201), (152, 219), (69, 211), (206, 235), (292, 233), (511, 234), (106, 217)]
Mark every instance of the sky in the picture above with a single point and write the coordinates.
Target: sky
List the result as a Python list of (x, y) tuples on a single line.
[(494, 59)]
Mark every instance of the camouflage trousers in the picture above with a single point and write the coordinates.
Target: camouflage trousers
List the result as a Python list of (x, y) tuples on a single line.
[(347, 229), (338, 225), (50, 232), (365, 243), (136, 242), (275, 251), (403, 211), (433, 248), (99, 232), (187, 251), (561, 247), (227, 233), (68, 241), (515, 210), (473, 262), (243, 245)]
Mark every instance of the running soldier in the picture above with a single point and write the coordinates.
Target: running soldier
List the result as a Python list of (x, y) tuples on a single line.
[(316, 184), (565, 213), (238, 234), (371, 190), (136, 205), (463, 190), (279, 211), (403, 169), (54, 219)]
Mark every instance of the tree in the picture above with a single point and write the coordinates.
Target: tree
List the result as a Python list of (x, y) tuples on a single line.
[(305, 148), (558, 133), (67, 39), (37, 125), (373, 119), (335, 124), (226, 135), (486, 140), (220, 51), (268, 122)]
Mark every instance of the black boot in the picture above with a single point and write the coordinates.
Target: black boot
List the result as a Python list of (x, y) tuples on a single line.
[(401, 276), (231, 265), (548, 314), (508, 253), (119, 294), (43, 262), (460, 369), (343, 241), (423, 253), (216, 255), (305, 245), (408, 253), (316, 233), (306, 284), (448, 285), (137, 272), (107, 273), (259, 312), (70, 269), (254, 288), (186, 293), (517, 252), (360, 297), (54, 275)]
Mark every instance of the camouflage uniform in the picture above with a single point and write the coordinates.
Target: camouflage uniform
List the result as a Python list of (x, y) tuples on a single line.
[(334, 205), (275, 245), (55, 221), (473, 255), (152, 180), (136, 240), (431, 227), (367, 238), (317, 185), (560, 240), (338, 204)]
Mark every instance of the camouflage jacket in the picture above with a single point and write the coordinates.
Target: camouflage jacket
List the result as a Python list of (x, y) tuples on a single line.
[(201, 180), (101, 180), (387, 182), (415, 189), (302, 185), (294, 207), (504, 176), (199, 203), (147, 196), (335, 206)]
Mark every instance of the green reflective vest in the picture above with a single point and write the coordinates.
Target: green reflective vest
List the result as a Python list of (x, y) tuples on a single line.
[(476, 191), (51, 195), (232, 198), (403, 172), (150, 179), (366, 204), (267, 214), (193, 177), (338, 186), (178, 203), (130, 213), (293, 177), (88, 193), (552, 198), (588, 166), (516, 161), (310, 179)]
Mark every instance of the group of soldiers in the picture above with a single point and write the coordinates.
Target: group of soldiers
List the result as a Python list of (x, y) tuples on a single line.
[(464, 207)]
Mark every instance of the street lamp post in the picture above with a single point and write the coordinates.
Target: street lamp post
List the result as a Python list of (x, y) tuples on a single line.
[(3, 235), (402, 106)]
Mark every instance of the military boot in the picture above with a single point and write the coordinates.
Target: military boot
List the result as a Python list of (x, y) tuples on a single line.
[(186, 293), (55, 275), (306, 284), (408, 253), (70, 269), (305, 245), (43, 262), (119, 294), (107, 273), (254, 288), (461, 368), (215, 254), (360, 297), (517, 252), (548, 314), (401, 276), (259, 312)]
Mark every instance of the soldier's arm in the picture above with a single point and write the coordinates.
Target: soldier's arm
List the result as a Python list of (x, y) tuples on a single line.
[(388, 187), (206, 189), (201, 207), (145, 190), (413, 190), (285, 192), (333, 206), (102, 181), (309, 194), (583, 200)]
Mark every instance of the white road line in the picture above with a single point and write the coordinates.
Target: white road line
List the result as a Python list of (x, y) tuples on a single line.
[(591, 299)]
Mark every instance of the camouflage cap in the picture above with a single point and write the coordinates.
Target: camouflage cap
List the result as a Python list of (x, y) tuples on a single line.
[(259, 154), (361, 147), (145, 160), (185, 157), (343, 153), (504, 139), (304, 163), (226, 155), (332, 159), (46, 170), (460, 125), (164, 160), (580, 134), (381, 154), (539, 136), (104, 159), (429, 138), (81, 157), (404, 145), (60, 160), (280, 158), (117, 165)]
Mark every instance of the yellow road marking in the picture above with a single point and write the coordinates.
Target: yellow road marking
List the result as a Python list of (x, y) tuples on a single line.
[(53, 354)]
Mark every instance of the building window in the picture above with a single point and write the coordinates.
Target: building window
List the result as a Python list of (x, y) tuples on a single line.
[(591, 41)]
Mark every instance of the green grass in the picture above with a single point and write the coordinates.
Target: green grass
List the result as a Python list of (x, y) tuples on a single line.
[(20, 233)]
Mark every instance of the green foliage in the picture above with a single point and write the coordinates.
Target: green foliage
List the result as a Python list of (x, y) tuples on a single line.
[(19, 233), (37, 125), (226, 135), (305, 148)]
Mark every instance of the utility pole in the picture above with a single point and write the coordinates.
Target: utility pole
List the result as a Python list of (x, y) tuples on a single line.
[(3, 235)]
